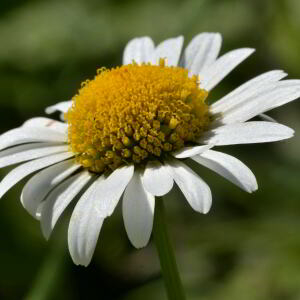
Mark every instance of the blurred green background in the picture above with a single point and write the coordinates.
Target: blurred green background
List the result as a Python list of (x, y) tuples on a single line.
[(247, 247)]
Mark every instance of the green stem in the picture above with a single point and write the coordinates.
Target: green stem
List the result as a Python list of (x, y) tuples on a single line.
[(50, 276), (166, 254)]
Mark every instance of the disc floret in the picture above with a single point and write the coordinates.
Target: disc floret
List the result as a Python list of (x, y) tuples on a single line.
[(135, 113)]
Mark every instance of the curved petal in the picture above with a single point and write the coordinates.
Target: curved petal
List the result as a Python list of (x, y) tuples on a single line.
[(97, 203), (274, 95), (247, 133), (57, 201), (138, 50), (46, 122), (195, 190), (85, 226), (201, 52), (294, 93), (229, 167), (29, 134), (138, 212), (22, 171), (29, 152), (250, 88), (213, 74), (191, 151), (111, 189), (267, 118), (157, 179), (37, 187), (169, 49), (61, 107)]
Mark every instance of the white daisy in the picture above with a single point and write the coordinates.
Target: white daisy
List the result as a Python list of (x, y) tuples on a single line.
[(128, 132)]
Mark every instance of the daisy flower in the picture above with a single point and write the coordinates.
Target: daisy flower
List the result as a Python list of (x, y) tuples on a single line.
[(128, 132)]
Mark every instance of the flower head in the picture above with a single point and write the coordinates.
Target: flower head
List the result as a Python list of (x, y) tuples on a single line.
[(134, 114), (128, 130)]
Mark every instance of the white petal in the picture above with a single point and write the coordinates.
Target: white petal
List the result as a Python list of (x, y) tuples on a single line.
[(213, 74), (61, 106), (23, 135), (229, 167), (293, 88), (138, 50), (57, 201), (169, 49), (157, 179), (28, 152), (201, 52), (46, 122), (191, 151), (85, 226), (37, 187), (138, 212), (195, 190), (267, 118), (252, 87), (247, 133), (97, 203), (22, 171), (275, 95), (110, 190)]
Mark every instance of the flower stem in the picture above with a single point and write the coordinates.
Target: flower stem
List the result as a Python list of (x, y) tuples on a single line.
[(166, 254), (50, 276)]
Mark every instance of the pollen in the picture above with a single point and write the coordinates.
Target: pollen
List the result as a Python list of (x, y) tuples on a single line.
[(135, 113)]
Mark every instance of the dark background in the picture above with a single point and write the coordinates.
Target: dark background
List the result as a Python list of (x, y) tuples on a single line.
[(247, 247)]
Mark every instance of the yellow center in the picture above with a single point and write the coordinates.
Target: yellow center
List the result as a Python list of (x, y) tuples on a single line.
[(135, 113)]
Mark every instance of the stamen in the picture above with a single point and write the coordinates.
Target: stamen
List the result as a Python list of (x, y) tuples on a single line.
[(135, 113)]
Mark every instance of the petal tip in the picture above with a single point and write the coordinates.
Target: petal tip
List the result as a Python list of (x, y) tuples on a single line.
[(206, 209), (139, 245), (251, 189), (49, 110)]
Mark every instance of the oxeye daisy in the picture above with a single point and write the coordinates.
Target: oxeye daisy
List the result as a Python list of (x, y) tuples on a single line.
[(128, 132)]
